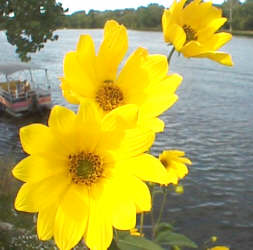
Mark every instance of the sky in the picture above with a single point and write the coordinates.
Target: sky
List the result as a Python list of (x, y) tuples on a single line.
[(76, 5)]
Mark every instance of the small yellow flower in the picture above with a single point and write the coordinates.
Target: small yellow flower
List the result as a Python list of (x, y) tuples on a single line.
[(84, 174), (175, 164), (191, 29), (143, 80), (219, 248), (214, 238), (179, 189)]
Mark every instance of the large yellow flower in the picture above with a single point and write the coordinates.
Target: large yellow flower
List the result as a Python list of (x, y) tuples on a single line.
[(143, 80), (191, 29), (175, 164), (84, 173)]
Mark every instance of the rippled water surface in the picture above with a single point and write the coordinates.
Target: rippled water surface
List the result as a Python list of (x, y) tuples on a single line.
[(212, 121)]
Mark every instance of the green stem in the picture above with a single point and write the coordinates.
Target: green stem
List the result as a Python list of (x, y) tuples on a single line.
[(141, 223), (162, 206), (152, 211), (170, 55), (116, 235)]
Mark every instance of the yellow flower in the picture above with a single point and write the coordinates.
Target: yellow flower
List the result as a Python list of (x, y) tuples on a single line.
[(175, 164), (84, 173), (191, 29), (214, 238), (219, 248), (143, 80), (179, 189)]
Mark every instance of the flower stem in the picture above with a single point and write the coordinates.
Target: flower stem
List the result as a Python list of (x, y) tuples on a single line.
[(116, 238), (162, 206), (141, 223), (170, 55), (152, 211)]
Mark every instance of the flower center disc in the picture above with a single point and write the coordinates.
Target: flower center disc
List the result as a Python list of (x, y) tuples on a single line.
[(164, 162), (190, 33), (109, 96), (85, 168)]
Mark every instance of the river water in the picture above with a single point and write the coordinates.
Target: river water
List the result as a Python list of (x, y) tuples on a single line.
[(212, 122)]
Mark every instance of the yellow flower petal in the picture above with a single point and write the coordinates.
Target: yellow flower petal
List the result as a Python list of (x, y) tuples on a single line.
[(146, 167), (77, 77), (220, 57), (99, 232), (71, 218), (176, 9), (123, 190), (68, 93), (45, 221), (38, 139), (206, 14), (88, 117), (173, 33), (62, 122), (218, 40), (142, 198), (34, 196), (135, 142), (161, 97), (125, 116), (114, 125), (112, 51), (124, 216), (155, 124), (157, 68), (194, 49), (86, 56), (36, 168), (26, 199), (61, 119), (134, 78), (207, 32)]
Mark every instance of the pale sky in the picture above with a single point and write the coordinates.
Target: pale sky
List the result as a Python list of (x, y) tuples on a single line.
[(76, 5)]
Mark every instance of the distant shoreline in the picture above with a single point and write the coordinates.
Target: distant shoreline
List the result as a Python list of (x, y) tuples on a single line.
[(242, 33), (234, 32)]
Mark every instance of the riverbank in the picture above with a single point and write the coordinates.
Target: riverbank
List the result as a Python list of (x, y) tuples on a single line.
[(242, 33)]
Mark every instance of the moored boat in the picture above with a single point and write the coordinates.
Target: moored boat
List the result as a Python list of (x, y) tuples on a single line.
[(21, 96)]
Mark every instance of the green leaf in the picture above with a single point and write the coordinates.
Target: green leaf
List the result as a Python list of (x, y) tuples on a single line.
[(113, 246), (163, 226), (174, 239), (130, 242)]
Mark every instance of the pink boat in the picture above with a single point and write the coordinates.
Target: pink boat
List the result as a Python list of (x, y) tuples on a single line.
[(22, 96)]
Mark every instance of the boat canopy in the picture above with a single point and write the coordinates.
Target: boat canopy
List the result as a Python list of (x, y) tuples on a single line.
[(11, 68)]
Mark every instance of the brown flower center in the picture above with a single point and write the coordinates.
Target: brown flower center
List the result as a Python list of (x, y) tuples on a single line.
[(190, 33), (164, 162), (109, 96), (85, 168)]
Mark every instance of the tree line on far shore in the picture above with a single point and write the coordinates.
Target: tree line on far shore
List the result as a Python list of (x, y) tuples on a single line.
[(240, 17)]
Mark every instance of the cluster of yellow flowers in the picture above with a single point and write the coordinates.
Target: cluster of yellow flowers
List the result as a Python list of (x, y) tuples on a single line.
[(86, 171)]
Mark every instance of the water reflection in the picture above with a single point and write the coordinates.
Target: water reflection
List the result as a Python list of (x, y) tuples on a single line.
[(212, 122)]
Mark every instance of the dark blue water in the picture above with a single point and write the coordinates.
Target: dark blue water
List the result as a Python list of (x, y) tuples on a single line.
[(212, 122)]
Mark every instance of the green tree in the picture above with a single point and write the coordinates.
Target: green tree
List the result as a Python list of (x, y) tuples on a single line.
[(247, 10), (30, 23), (230, 7)]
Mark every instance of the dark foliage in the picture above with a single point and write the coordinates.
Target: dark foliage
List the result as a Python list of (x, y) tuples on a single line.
[(30, 23)]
